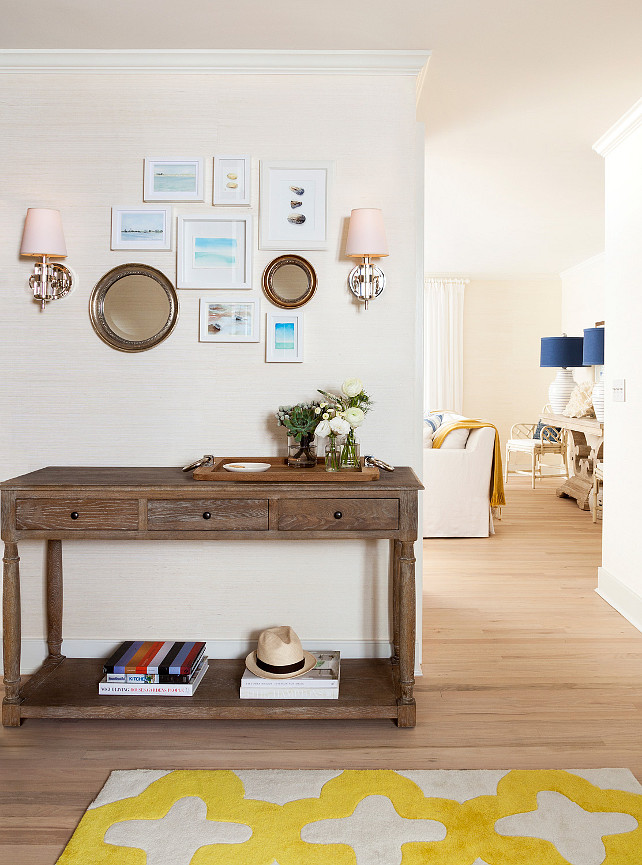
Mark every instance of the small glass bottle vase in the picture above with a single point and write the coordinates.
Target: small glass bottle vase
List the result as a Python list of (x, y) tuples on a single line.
[(302, 453), (333, 451), (350, 453)]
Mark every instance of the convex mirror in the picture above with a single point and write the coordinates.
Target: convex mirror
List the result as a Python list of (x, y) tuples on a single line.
[(133, 307), (289, 281)]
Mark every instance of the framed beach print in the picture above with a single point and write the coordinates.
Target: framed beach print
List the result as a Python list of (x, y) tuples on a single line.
[(229, 319), (214, 252), (284, 337), (294, 205), (174, 180), (231, 180), (141, 227)]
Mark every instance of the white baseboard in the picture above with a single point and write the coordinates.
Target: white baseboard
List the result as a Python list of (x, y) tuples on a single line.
[(623, 599), (34, 651)]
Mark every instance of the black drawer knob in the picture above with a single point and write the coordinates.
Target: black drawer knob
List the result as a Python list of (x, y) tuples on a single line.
[(207, 515), (338, 515), (74, 515)]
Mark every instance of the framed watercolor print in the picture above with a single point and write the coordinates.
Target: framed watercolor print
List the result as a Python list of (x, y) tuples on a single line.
[(284, 337), (141, 227), (174, 180), (294, 205), (231, 180), (214, 252), (229, 319)]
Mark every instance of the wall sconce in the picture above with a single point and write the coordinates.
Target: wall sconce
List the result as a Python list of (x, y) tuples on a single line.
[(366, 239), (43, 238)]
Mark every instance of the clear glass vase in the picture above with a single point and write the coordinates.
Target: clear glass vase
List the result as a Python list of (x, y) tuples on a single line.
[(350, 453), (302, 453), (333, 450)]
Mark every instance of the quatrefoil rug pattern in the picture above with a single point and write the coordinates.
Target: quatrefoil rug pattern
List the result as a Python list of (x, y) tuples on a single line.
[(362, 817)]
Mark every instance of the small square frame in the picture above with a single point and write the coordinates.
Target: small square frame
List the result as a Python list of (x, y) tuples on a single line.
[(278, 184), (229, 307), (219, 273), (196, 190), (292, 323), (122, 215), (229, 170)]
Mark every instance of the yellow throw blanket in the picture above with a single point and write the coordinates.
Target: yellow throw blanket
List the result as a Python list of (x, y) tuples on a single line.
[(497, 498)]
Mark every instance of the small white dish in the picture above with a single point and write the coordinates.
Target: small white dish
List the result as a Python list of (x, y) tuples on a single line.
[(246, 467)]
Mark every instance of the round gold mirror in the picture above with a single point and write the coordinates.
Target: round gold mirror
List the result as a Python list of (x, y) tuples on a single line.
[(289, 281), (133, 307)]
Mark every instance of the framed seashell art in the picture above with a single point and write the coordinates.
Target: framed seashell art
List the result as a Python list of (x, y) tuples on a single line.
[(294, 205), (231, 180)]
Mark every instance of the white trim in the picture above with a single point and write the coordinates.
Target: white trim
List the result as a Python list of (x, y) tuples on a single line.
[(34, 651), (623, 599), (587, 262), (220, 61), (620, 130)]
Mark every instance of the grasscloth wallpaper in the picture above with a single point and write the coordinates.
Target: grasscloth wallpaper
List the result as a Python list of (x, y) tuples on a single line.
[(77, 142)]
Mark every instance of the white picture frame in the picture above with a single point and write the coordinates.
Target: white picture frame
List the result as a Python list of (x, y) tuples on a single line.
[(281, 203), (229, 319), (141, 227), (231, 180), (174, 179), (214, 251), (284, 337)]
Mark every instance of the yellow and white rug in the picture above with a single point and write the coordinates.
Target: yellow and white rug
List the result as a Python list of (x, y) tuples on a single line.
[(362, 817)]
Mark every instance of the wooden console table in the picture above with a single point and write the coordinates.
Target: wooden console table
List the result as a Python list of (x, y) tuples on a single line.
[(59, 504), (586, 443)]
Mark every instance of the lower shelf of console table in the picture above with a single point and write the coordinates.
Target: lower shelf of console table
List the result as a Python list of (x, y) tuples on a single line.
[(69, 689)]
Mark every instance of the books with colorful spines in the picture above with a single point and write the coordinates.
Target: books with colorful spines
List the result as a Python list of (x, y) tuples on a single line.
[(319, 683), (162, 658), (154, 689)]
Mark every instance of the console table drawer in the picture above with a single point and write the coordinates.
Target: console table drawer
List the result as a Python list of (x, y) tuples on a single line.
[(79, 514), (339, 514), (207, 515)]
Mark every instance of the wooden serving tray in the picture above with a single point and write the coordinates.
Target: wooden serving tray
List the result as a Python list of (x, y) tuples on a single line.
[(280, 472)]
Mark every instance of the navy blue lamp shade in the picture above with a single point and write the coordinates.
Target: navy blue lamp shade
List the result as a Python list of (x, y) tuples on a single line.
[(561, 351), (593, 346)]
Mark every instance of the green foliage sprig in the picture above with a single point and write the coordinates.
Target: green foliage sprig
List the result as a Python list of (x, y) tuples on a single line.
[(300, 419)]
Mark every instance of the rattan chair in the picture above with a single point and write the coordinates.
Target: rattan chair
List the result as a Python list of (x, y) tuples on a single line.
[(522, 440)]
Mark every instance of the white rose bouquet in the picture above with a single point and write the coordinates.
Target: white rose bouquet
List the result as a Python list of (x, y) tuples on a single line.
[(346, 412)]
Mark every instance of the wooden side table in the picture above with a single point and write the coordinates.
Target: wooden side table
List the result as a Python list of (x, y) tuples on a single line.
[(586, 446), (59, 504)]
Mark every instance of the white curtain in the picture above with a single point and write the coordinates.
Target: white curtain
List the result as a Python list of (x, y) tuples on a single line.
[(444, 349)]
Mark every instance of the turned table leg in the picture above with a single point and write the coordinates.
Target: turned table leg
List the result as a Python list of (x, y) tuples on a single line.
[(407, 613), (54, 599), (11, 639), (395, 550)]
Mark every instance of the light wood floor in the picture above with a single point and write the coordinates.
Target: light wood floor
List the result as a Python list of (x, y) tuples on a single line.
[(524, 667)]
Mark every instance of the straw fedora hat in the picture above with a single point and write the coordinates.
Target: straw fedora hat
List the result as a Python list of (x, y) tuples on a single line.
[(279, 655)]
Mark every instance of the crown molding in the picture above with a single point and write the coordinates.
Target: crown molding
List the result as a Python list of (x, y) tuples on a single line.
[(620, 130), (587, 262), (223, 61)]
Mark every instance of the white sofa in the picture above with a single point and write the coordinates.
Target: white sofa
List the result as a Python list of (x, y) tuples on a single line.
[(457, 482)]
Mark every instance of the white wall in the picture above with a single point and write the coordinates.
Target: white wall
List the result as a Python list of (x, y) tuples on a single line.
[(583, 302), (620, 578), (77, 142), (504, 321)]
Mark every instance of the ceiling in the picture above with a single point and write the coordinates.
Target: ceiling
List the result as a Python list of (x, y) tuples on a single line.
[(517, 91)]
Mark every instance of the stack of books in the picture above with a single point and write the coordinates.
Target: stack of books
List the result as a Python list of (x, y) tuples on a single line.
[(161, 668), (320, 683)]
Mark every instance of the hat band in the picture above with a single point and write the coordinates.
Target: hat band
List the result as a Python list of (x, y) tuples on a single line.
[(283, 668)]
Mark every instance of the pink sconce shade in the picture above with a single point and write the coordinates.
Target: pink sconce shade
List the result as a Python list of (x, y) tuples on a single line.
[(366, 234), (43, 233)]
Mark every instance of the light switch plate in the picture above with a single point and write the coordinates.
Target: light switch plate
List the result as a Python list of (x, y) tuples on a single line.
[(618, 392)]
